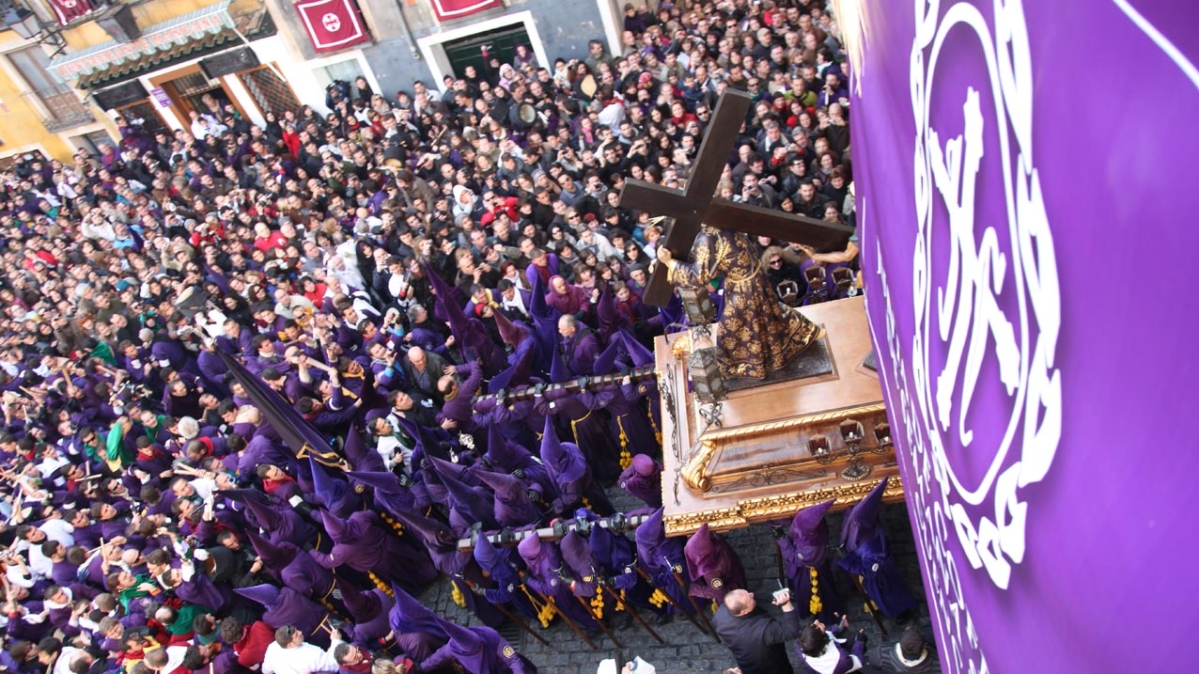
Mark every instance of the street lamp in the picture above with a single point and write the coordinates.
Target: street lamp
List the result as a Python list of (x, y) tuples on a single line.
[(22, 21)]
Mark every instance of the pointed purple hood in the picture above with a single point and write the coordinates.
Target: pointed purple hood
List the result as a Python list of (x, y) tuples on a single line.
[(463, 643), (638, 354), (409, 615), (389, 495), (260, 506), (467, 504), (432, 532), (512, 333), (563, 461), (333, 494), (861, 524), (506, 487), (530, 548), (487, 555), (265, 594), (502, 453), (363, 606), (576, 552), (274, 557), (809, 526), (649, 536), (605, 363), (359, 454), (558, 371)]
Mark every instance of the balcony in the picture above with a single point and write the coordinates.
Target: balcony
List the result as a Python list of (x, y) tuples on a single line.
[(61, 111)]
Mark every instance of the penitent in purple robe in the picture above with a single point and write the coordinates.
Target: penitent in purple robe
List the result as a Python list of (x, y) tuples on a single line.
[(418, 631), (504, 566), (643, 479), (713, 565), (663, 558), (806, 560), (867, 555), (507, 456), (361, 543), (567, 466), (544, 560), (458, 565), (478, 650), (287, 607), (369, 610), (512, 506)]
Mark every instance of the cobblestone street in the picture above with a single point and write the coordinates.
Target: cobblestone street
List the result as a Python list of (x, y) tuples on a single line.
[(686, 649)]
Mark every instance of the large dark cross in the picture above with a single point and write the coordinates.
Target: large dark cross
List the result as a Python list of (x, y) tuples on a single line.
[(695, 206)]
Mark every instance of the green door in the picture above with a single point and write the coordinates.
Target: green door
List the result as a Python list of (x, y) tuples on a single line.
[(500, 43)]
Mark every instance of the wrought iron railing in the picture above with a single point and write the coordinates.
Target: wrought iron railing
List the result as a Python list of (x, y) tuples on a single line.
[(63, 111)]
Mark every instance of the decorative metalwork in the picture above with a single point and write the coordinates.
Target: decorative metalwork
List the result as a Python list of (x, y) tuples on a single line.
[(766, 508), (270, 92), (853, 435), (695, 471), (668, 391), (767, 478), (711, 415)]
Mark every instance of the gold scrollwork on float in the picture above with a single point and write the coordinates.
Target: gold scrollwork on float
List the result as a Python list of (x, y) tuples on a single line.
[(749, 511), (695, 472)]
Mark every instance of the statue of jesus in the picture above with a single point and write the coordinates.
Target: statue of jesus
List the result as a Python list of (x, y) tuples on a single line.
[(757, 334)]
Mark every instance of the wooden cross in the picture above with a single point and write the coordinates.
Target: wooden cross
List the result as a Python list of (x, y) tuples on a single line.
[(695, 206)]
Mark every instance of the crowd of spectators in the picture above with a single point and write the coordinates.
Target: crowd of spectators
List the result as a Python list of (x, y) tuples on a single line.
[(380, 262)]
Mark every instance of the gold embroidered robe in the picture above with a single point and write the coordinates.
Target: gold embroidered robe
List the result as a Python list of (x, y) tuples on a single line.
[(757, 333)]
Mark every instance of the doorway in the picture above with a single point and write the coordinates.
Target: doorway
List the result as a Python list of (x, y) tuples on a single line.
[(187, 88), (500, 43)]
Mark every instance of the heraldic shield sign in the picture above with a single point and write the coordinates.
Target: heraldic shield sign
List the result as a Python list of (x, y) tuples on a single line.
[(1024, 273)]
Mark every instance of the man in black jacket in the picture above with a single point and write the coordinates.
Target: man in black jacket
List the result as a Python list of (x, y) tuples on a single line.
[(756, 638)]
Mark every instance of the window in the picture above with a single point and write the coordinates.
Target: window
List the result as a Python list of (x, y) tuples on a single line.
[(60, 105), (346, 71), (91, 141)]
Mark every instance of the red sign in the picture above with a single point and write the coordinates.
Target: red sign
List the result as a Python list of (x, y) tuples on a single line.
[(447, 10), (68, 10), (332, 25)]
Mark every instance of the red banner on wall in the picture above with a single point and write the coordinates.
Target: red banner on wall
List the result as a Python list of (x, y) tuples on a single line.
[(332, 25), (68, 10), (446, 10)]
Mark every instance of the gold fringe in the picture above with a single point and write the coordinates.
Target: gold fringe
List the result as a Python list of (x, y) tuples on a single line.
[(457, 595)]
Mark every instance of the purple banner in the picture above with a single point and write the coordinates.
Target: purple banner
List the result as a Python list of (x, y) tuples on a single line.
[(1025, 176)]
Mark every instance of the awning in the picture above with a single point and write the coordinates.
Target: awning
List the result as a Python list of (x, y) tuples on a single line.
[(191, 35)]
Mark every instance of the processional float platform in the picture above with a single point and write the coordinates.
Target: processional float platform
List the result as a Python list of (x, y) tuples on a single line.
[(781, 446)]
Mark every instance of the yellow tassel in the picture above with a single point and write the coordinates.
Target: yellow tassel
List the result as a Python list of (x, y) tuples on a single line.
[(545, 612), (621, 604), (395, 525), (380, 584), (597, 604), (658, 598), (657, 433), (814, 603), (456, 594)]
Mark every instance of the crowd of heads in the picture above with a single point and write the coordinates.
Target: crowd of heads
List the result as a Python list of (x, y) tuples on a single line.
[(310, 248)]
